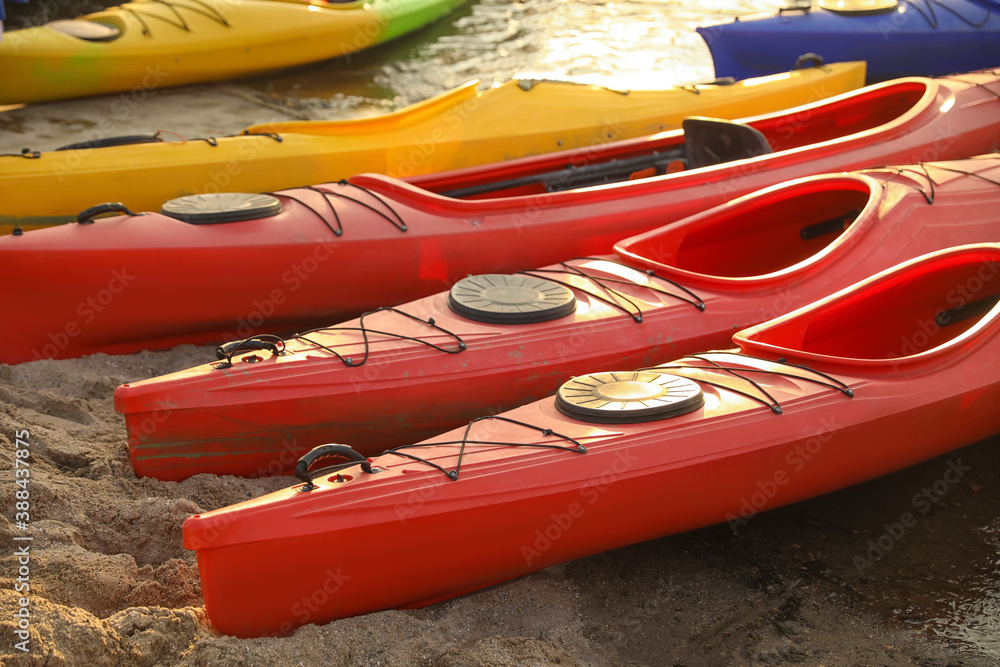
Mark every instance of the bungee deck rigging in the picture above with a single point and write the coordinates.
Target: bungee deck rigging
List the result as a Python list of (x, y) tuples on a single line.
[(824, 379), (277, 345), (329, 195), (205, 9), (922, 170), (602, 282), (931, 17), (678, 369)]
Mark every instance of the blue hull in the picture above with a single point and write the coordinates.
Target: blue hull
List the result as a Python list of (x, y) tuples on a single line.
[(919, 38)]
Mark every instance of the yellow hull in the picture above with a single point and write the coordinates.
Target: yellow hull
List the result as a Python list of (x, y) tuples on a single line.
[(460, 128), (175, 42)]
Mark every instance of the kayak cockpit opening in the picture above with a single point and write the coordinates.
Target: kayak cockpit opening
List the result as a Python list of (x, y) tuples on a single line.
[(586, 174), (907, 311), (706, 142), (759, 236), (834, 119)]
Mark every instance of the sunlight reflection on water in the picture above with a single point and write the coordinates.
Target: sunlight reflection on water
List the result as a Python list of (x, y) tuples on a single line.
[(633, 44), (975, 619), (974, 615)]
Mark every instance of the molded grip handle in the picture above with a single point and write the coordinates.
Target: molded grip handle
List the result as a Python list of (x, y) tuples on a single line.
[(808, 60), (316, 453), (226, 351), (86, 216)]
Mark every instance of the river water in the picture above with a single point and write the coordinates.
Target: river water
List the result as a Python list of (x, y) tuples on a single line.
[(633, 44), (636, 43)]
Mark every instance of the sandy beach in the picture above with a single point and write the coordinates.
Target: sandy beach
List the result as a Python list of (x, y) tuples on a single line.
[(110, 583)]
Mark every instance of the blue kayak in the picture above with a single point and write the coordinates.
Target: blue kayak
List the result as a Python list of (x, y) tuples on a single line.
[(896, 37)]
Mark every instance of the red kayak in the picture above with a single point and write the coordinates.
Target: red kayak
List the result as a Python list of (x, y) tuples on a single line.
[(222, 267), (499, 341), (908, 360)]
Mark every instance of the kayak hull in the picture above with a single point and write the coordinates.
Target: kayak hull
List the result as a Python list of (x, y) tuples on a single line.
[(400, 242), (177, 43), (910, 40), (260, 415), (460, 128), (520, 509)]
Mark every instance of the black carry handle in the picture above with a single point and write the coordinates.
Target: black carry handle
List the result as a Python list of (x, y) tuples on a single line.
[(316, 453), (270, 342), (721, 81), (108, 142), (226, 351), (86, 217), (807, 60)]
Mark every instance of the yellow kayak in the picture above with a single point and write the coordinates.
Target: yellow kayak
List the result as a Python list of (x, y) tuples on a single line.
[(149, 44), (460, 128)]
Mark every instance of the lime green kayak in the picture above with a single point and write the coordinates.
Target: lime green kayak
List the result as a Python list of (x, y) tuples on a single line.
[(148, 44)]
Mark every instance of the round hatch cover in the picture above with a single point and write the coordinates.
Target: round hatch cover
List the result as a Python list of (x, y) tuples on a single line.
[(500, 298), (859, 6), (90, 31), (626, 397), (212, 208)]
